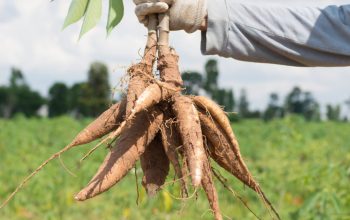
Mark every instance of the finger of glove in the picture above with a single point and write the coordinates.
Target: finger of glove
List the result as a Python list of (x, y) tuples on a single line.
[(142, 19), (138, 2), (151, 8)]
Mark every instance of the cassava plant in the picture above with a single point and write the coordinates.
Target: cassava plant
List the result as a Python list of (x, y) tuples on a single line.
[(156, 124)]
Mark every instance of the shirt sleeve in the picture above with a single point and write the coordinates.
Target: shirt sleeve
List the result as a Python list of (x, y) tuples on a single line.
[(295, 36)]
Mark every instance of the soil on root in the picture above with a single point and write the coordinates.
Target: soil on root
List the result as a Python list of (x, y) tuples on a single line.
[(108, 121), (191, 135), (128, 148), (155, 166), (171, 143)]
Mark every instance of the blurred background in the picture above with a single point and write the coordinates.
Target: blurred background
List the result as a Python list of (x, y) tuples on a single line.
[(292, 122)]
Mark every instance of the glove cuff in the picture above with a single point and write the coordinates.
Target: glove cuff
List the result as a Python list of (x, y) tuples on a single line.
[(198, 17)]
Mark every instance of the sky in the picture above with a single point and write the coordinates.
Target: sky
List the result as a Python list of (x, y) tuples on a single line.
[(32, 39)]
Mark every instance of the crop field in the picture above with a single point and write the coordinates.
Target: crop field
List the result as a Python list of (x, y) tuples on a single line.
[(304, 169)]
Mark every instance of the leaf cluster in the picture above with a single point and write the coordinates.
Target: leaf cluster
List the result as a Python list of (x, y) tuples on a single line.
[(90, 12)]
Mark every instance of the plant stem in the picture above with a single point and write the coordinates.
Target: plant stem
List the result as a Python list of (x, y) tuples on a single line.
[(163, 29), (152, 32)]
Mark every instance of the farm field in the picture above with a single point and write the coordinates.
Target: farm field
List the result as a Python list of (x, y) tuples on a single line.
[(304, 169)]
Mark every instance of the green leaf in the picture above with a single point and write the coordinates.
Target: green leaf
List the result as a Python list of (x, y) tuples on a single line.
[(115, 14), (76, 11), (92, 16)]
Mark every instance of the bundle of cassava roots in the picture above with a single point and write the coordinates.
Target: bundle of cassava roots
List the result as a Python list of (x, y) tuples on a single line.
[(156, 124)]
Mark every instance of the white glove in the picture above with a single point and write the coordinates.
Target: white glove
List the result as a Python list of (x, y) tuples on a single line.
[(186, 15)]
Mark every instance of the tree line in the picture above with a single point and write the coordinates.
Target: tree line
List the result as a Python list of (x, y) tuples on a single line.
[(92, 97), (82, 99), (297, 101)]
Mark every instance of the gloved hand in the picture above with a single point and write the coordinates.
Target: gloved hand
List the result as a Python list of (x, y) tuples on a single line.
[(188, 15)]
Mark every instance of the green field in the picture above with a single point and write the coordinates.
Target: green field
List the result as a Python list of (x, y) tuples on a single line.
[(304, 168)]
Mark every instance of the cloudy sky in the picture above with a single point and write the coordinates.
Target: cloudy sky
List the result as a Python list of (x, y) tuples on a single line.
[(32, 40)]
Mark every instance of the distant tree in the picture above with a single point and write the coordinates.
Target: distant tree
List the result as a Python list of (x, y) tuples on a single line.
[(18, 97), (225, 98), (311, 109), (95, 93), (230, 102), (273, 109), (219, 96), (294, 102), (16, 78), (333, 113), (347, 103), (58, 99), (28, 102), (192, 81), (92, 97), (302, 103), (4, 101), (243, 104), (254, 114), (211, 76), (76, 98)]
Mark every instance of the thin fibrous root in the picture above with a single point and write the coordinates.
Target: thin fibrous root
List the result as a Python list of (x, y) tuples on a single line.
[(141, 73), (210, 190), (107, 121), (216, 112), (221, 150), (34, 173), (223, 181), (171, 141)]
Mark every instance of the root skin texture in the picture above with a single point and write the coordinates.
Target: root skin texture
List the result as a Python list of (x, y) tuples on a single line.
[(131, 144), (104, 124), (137, 84), (139, 72), (155, 166), (171, 141), (210, 190), (151, 96), (138, 79), (220, 150), (171, 81), (219, 115), (168, 67), (191, 135)]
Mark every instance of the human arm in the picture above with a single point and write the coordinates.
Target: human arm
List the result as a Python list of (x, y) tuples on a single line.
[(295, 36)]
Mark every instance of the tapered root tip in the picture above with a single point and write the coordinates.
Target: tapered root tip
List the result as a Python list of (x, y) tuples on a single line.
[(197, 177), (152, 190), (80, 197)]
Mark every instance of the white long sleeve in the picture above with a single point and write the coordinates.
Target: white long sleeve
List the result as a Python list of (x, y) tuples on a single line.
[(295, 36)]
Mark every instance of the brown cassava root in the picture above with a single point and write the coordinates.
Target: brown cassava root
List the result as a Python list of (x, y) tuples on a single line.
[(158, 125), (128, 149), (155, 166), (191, 135), (221, 150), (171, 142)]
